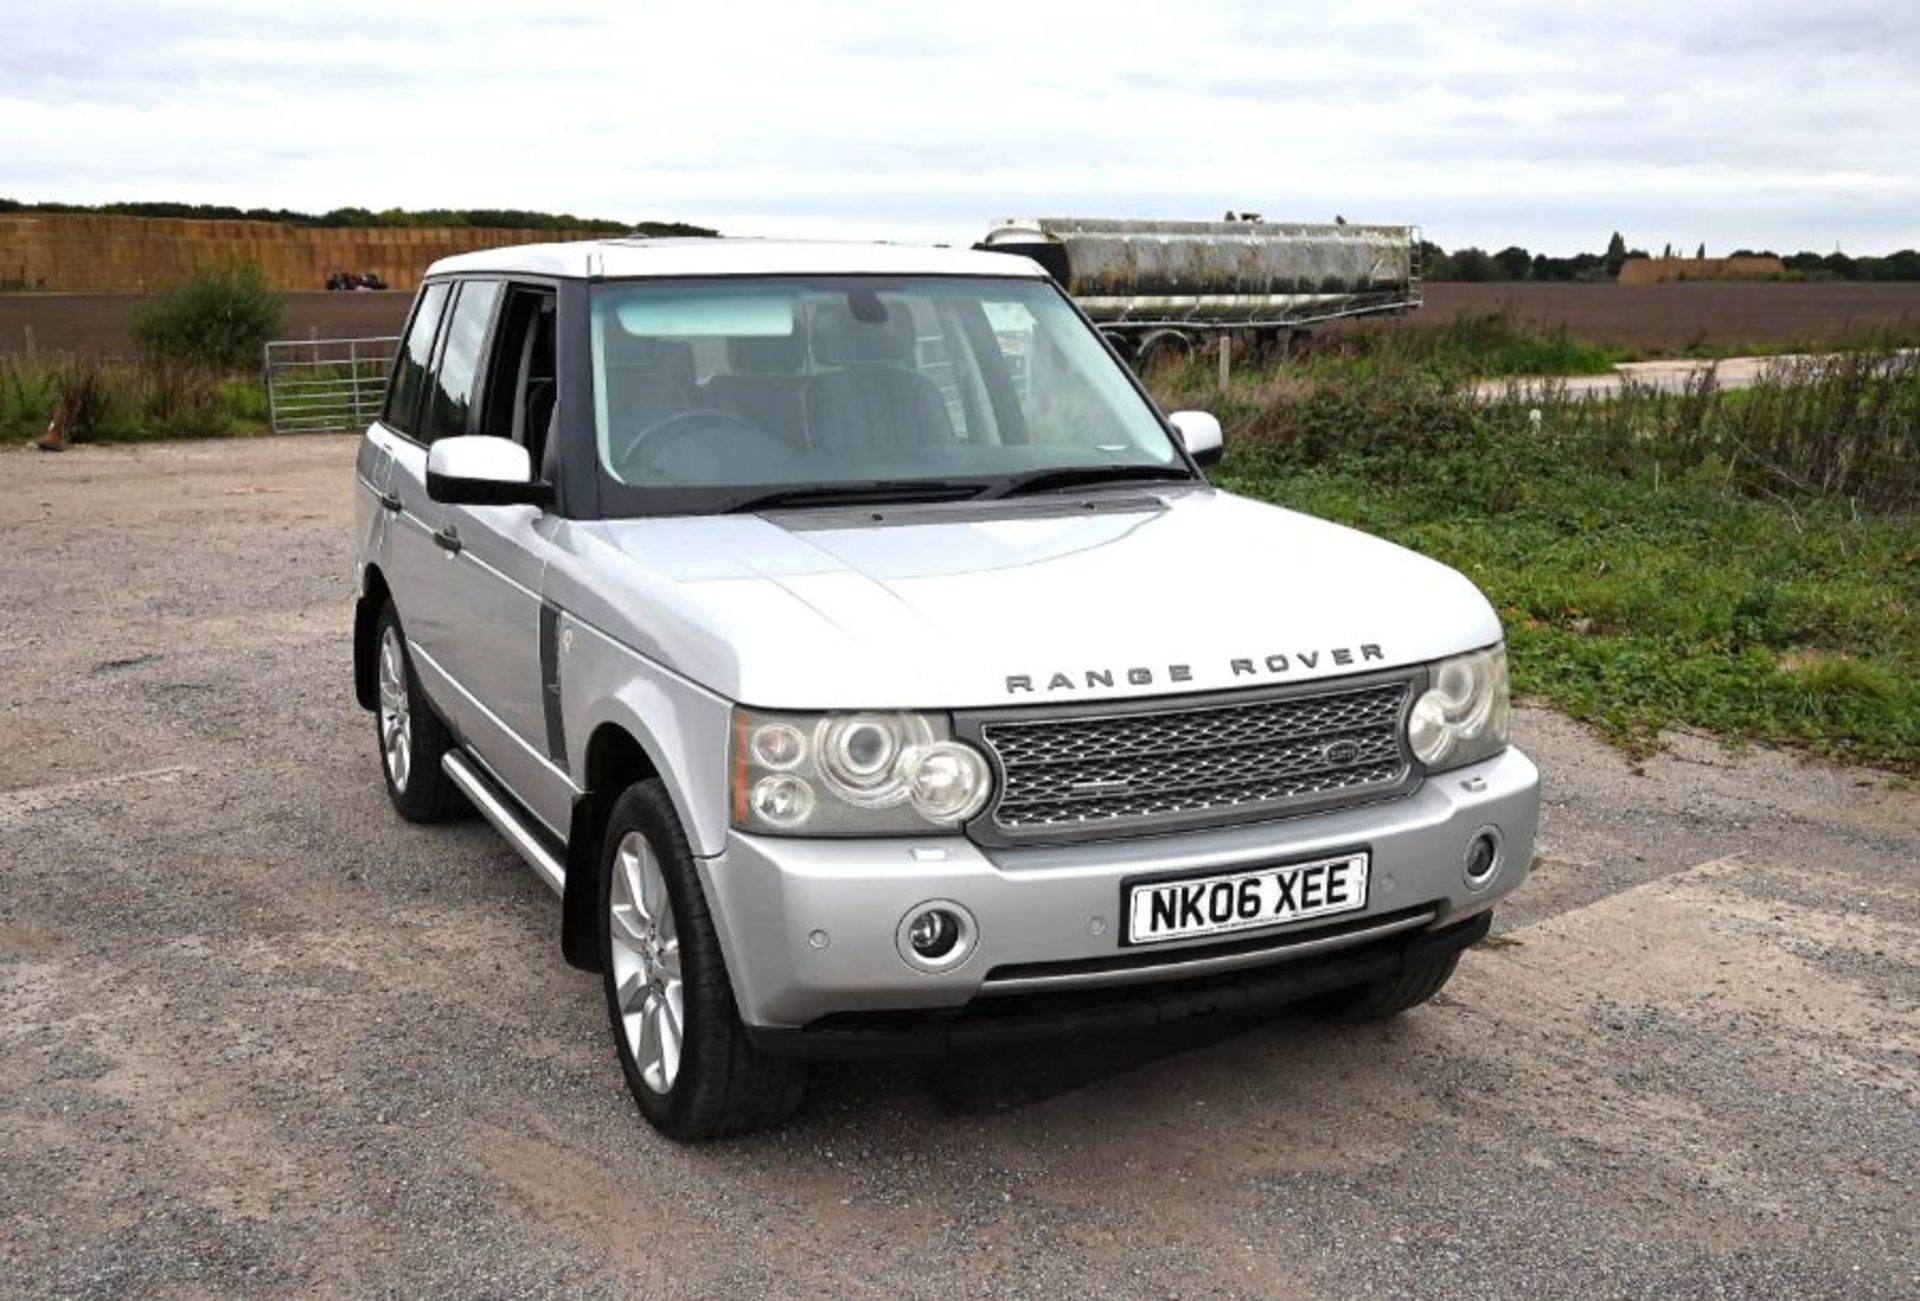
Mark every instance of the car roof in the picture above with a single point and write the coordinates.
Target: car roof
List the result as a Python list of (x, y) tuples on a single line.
[(614, 259)]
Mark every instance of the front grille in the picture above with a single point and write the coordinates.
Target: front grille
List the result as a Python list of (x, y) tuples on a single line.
[(1134, 769)]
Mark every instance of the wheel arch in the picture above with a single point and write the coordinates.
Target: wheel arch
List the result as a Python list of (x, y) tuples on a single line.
[(615, 759), (1157, 346), (374, 594)]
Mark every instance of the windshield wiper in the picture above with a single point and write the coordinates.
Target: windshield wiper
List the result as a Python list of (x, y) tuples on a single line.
[(853, 494), (1074, 476)]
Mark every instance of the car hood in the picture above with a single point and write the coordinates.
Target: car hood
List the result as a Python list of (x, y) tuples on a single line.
[(1115, 594)]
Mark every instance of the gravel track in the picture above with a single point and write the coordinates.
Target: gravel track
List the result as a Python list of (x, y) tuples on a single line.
[(257, 1035)]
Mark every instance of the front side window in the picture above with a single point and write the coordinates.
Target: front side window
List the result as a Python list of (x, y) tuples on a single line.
[(520, 391), (410, 368), (451, 394), (715, 394)]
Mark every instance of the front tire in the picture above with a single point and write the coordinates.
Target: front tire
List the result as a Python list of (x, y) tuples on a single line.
[(684, 1052), (1389, 996), (411, 737)]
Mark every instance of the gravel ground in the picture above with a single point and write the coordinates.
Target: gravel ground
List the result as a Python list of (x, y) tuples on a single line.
[(259, 1035), (1661, 376)]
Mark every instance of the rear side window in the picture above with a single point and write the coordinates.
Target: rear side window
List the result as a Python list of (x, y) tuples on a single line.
[(410, 370), (451, 394)]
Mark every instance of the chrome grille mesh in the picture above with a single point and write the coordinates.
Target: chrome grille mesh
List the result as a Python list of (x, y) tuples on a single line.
[(1138, 768)]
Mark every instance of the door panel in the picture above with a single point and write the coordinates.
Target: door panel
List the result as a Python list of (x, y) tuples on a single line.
[(483, 619), (439, 622), (373, 473), (420, 568), (412, 562), (494, 583)]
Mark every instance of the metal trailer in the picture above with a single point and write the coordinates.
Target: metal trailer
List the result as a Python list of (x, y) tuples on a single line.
[(1156, 287)]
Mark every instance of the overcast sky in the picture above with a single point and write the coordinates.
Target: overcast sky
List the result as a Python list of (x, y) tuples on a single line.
[(1758, 123)]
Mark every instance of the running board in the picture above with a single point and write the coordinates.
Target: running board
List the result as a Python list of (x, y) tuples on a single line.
[(506, 819)]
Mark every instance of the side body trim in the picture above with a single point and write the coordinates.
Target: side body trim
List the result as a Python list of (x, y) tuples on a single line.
[(550, 683), (440, 674), (1101, 974)]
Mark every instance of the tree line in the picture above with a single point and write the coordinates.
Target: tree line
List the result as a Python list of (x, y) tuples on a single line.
[(485, 218), (1516, 263)]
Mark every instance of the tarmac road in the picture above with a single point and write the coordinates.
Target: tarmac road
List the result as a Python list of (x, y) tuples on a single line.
[(258, 1035)]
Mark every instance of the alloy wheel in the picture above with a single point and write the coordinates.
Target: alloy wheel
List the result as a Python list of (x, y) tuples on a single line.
[(396, 733), (645, 951)]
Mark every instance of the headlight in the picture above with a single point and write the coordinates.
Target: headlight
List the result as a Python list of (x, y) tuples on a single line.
[(865, 774), (1462, 716)]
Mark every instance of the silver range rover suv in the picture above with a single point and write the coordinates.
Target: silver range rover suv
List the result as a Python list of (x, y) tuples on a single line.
[(871, 669)]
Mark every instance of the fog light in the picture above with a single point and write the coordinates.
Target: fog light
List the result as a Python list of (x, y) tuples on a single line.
[(1482, 858), (933, 933), (936, 936)]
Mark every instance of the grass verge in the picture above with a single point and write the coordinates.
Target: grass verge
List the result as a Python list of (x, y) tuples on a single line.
[(110, 402), (1749, 567), (1484, 345), (1495, 345)]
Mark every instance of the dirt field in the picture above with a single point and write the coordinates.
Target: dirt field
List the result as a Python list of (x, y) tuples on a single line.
[(1645, 316), (1670, 316), (259, 1035), (99, 323)]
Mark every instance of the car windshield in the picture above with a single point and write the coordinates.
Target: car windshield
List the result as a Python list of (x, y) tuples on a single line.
[(713, 395)]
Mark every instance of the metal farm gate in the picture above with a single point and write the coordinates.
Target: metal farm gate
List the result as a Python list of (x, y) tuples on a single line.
[(317, 386)]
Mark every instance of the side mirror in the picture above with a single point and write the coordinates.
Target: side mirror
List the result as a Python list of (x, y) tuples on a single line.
[(482, 471), (1201, 434)]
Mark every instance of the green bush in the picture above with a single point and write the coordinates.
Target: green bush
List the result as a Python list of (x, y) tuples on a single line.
[(218, 317), (81, 393), (182, 401), (1841, 426), (27, 390)]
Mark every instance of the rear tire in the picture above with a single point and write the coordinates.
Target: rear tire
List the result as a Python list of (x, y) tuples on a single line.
[(1378, 1000), (1163, 348), (411, 738), (677, 1031)]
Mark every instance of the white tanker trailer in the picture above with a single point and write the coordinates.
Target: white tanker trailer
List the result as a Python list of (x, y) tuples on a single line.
[(1158, 287)]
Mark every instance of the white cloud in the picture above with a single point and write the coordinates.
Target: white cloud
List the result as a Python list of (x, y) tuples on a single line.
[(1760, 124)]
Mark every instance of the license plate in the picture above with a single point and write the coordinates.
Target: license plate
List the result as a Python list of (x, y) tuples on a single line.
[(1242, 901)]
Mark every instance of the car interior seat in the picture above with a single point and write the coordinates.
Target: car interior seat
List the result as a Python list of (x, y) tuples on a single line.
[(648, 381), (764, 385), (870, 397), (539, 387)]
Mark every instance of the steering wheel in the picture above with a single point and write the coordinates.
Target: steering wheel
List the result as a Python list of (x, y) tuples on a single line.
[(682, 420)]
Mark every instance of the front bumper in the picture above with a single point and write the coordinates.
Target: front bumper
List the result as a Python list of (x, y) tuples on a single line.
[(988, 1023), (808, 926)]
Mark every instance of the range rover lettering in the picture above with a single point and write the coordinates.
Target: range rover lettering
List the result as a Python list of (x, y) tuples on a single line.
[(872, 670)]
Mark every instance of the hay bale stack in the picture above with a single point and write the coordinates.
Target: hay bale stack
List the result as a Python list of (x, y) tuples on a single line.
[(95, 253), (1666, 270)]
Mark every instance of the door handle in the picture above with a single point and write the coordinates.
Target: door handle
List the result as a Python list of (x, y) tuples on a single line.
[(448, 540), (390, 501)]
